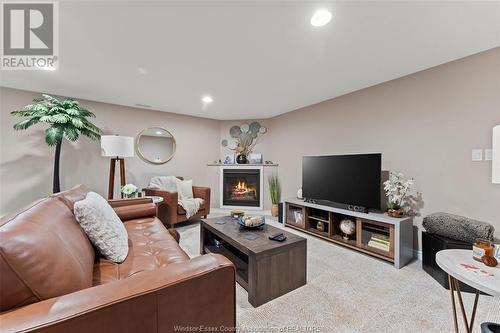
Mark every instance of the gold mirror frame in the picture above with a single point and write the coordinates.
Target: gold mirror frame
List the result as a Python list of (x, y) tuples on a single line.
[(144, 158)]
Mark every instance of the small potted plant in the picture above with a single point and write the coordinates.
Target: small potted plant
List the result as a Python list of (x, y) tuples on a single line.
[(129, 190), (275, 192), (396, 188)]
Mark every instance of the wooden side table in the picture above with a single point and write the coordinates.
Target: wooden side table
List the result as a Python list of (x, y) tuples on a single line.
[(157, 200), (452, 262)]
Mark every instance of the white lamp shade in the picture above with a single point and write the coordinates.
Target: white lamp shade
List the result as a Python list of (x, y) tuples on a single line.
[(495, 169), (117, 146)]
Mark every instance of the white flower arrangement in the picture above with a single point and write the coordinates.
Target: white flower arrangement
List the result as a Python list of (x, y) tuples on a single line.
[(396, 189), (129, 190)]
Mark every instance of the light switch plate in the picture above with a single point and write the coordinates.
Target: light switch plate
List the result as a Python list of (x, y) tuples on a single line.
[(488, 154), (477, 154)]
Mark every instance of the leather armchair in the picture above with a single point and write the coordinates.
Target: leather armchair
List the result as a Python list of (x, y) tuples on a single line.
[(169, 211)]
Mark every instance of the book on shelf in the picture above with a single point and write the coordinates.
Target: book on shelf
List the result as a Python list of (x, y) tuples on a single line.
[(383, 239), (380, 241), (380, 246)]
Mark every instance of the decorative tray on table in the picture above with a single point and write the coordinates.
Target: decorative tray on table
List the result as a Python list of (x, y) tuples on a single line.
[(251, 221)]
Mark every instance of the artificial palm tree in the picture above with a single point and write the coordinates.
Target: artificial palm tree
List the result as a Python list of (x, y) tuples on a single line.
[(66, 119)]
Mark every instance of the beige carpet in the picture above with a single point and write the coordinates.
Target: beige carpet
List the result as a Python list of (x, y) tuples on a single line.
[(350, 292)]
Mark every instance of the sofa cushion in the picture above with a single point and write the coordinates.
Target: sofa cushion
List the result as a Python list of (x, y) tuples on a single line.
[(73, 195), (150, 246), (43, 254), (103, 227)]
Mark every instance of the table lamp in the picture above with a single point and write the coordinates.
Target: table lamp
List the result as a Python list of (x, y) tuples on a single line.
[(117, 147), (495, 168)]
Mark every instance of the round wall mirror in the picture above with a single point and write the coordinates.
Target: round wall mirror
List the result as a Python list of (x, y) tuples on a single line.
[(155, 145)]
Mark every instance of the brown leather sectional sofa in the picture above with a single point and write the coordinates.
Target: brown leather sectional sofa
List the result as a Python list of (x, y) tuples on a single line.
[(52, 281)]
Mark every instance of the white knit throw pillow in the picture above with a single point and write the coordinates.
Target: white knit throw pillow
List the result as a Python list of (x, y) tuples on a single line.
[(102, 226), (185, 189)]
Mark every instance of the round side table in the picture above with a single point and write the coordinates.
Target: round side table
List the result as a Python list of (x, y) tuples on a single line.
[(460, 266)]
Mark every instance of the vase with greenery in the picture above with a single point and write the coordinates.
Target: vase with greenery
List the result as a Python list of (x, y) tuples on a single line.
[(65, 119), (275, 192), (396, 189)]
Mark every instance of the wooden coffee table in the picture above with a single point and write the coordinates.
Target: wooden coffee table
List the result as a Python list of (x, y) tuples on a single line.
[(266, 269)]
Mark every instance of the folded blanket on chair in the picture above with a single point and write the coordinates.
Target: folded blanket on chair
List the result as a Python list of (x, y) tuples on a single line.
[(191, 206), (171, 184), (457, 227)]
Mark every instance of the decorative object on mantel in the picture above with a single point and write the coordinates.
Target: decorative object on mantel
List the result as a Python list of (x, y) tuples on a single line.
[(229, 159), (269, 162), (117, 147), (348, 227), (396, 189), (243, 139), (129, 190), (299, 193), (275, 192), (241, 159), (66, 119), (255, 158)]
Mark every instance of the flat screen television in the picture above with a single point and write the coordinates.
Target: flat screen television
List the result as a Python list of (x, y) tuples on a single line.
[(343, 179)]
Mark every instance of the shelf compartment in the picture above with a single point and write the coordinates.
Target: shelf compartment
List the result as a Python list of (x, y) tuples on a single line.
[(336, 231), (295, 216), (377, 233)]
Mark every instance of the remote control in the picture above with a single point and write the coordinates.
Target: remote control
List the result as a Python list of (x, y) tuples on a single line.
[(278, 237)]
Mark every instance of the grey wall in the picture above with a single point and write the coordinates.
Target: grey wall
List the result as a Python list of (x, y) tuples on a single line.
[(26, 162), (425, 125)]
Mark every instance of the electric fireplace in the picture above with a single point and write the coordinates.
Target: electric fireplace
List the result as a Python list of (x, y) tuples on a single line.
[(241, 187)]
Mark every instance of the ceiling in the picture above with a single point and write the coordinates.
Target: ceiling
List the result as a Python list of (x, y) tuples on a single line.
[(257, 59)]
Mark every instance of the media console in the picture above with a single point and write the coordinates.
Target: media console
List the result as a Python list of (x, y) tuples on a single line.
[(376, 234)]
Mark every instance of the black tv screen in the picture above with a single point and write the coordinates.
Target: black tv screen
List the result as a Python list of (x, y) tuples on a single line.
[(344, 179)]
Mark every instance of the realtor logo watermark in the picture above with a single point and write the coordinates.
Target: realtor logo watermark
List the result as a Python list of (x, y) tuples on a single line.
[(30, 39)]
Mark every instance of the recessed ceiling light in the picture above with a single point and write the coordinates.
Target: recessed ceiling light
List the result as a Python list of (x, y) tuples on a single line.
[(207, 99), (321, 17)]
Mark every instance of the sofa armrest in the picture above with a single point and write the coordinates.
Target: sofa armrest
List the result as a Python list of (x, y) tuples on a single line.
[(128, 202), (130, 212), (204, 193), (196, 293), (167, 210)]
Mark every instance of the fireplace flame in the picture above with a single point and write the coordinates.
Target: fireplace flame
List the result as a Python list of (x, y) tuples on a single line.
[(242, 186)]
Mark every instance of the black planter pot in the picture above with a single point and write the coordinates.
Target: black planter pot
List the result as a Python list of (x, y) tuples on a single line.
[(241, 159)]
